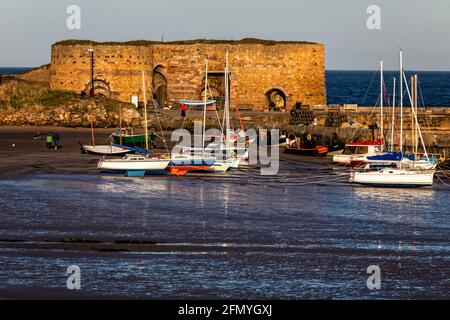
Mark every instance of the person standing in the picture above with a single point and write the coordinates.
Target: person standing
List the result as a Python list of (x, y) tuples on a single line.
[(56, 139), (152, 140), (49, 141), (183, 110)]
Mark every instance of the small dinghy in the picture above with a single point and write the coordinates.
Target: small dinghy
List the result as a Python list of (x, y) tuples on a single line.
[(304, 146), (104, 150)]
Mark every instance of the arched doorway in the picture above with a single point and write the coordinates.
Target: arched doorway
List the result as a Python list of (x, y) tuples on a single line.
[(276, 100), (216, 88), (159, 86), (101, 87)]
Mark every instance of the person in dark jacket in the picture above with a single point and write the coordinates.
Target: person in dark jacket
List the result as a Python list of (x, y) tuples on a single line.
[(56, 139)]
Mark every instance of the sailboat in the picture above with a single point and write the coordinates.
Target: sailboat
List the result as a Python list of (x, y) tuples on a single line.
[(102, 150), (137, 165), (105, 150), (398, 176), (414, 160), (185, 162), (227, 157), (357, 153)]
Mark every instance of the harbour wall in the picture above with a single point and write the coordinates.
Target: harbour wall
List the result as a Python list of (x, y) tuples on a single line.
[(349, 124)]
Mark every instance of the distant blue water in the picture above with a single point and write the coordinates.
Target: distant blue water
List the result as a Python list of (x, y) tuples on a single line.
[(363, 87), (13, 70)]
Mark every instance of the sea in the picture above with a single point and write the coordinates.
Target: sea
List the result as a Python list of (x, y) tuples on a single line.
[(303, 234), (363, 87)]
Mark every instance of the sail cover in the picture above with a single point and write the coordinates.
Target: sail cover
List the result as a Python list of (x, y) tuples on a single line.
[(134, 149), (386, 157)]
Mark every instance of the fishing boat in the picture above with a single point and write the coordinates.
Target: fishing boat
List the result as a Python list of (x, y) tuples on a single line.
[(307, 147)]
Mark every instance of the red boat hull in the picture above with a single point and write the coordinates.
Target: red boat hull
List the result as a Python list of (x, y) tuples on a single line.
[(183, 170), (317, 151)]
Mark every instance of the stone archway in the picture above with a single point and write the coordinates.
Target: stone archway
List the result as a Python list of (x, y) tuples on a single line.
[(276, 100), (216, 88), (101, 87), (159, 85)]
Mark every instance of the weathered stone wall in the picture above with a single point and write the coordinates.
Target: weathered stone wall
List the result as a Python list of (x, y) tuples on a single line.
[(40, 74), (296, 69), (119, 67)]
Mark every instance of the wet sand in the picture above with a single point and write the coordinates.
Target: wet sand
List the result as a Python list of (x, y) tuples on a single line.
[(21, 154)]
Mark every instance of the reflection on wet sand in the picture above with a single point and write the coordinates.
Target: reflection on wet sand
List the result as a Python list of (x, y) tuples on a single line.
[(239, 235)]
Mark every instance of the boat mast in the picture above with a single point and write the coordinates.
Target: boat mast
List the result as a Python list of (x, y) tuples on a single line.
[(413, 129), (92, 130), (120, 125), (145, 109), (401, 100), (227, 102), (381, 99), (393, 117), (204, 107), (419, 131), (416, 100)]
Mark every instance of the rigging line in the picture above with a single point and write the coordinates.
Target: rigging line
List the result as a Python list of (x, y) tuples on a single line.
[(427, 119), (420, 92), (147, 82), (217, 113), (442, 181), (368, 89)]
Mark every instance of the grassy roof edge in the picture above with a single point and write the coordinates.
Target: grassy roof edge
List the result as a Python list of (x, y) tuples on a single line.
[(182, 42)]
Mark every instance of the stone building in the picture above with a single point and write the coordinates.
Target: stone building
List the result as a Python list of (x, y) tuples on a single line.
[(264, 74)]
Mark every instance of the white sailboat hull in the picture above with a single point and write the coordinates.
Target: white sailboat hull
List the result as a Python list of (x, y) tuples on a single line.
[(420, 164), (105, 150), (346, 159), (393, 178), (219, 167), (133, 165)]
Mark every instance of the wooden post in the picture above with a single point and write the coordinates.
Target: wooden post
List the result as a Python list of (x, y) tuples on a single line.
[(92, 130)]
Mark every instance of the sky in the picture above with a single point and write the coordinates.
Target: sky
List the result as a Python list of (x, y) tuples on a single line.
[(422, 28)]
